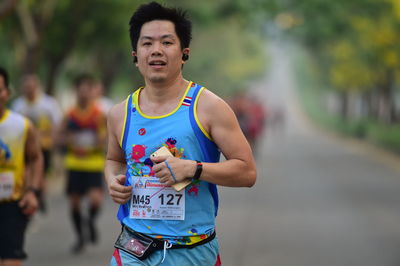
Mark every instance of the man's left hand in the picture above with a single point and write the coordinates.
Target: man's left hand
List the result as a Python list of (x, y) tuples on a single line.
[(182, 169), (29, 203)]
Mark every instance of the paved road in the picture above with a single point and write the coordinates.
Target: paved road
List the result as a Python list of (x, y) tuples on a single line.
[(319, 201)]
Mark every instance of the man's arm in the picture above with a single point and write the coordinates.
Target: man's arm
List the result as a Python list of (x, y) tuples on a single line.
[(115, 166), (34, 171), (218, 119), (61, 136), (239, 169), (102, 132)]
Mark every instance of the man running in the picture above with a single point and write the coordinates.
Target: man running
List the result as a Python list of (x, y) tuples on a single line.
[(160, 224), (83, 134), (45, 113), (21, 170)]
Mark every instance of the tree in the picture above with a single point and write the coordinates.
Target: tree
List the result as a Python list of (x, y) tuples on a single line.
[(61, 38), (355, 45), (6, 7)]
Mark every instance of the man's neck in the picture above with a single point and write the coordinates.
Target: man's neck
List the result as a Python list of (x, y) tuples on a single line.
[(165, 91), (32, 98), (160, 99), (83, 104)]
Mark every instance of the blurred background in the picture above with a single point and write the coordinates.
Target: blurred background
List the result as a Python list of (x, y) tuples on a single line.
[(315, 87)]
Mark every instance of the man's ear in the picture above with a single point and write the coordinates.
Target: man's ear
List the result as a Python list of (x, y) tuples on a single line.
[(134, 57), (185, 55)]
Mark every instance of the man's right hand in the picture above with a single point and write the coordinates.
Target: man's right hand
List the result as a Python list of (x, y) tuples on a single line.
[(118, 191)]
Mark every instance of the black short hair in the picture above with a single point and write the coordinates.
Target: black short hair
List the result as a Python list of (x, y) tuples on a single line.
[(83, 78), (155, 11), (4, 74)]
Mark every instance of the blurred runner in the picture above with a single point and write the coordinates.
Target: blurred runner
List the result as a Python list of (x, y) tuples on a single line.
[(256, 122), (104, 102), (83, 133), (252, 116), (240, 105), (21, 171), (45, 113)]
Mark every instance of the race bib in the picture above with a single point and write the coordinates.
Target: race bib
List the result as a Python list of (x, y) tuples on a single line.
[(6, 185), (152, 200), (85, 139)]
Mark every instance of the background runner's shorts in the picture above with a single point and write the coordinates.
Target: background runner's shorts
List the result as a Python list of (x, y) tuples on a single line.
[(80, 182), (12, 231)]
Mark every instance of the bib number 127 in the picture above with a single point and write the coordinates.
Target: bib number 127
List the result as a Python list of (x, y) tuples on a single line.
[(170, 199)]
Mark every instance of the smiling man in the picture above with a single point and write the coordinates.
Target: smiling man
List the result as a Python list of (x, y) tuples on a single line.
[(161, 224)]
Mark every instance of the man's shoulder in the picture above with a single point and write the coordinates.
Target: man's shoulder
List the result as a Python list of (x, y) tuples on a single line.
[(50, 105), (117, 111), (17, 103), (213, 109), (119, 106), (209, 99), (17, 117), (49, 99)]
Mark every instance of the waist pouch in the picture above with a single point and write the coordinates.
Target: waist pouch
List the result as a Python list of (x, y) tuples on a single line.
[(142, 246)]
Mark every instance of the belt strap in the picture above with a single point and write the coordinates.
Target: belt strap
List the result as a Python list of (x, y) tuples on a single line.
[(158, 244)]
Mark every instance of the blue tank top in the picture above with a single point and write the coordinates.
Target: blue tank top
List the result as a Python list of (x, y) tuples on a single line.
[(181, 132)]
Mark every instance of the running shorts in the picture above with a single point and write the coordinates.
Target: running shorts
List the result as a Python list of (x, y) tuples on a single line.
[(80, 182), (12, 231)]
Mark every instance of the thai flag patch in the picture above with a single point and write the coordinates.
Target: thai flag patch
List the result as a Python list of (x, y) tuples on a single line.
[(187, 101)]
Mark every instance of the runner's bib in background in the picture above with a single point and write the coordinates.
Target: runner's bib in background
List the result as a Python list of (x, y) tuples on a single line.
[(6, 185), (152, 200)]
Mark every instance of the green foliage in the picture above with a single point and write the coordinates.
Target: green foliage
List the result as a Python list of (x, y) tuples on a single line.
[(92, 36), (227, 50), (354, 43), (387, 136), (224, 59)]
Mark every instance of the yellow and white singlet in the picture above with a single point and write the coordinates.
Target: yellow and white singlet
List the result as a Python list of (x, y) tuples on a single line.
[(13, 134)]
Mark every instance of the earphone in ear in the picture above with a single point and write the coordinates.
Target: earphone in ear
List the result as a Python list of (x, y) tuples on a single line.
[(185, 57)]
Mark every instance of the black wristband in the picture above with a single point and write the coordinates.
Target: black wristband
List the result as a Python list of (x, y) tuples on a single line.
[(199, 169), (35, 191)]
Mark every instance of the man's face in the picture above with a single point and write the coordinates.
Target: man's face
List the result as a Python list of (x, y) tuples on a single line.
[(98, 90), (159, 52), (4, 93), (30, 86), (84, 92)]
